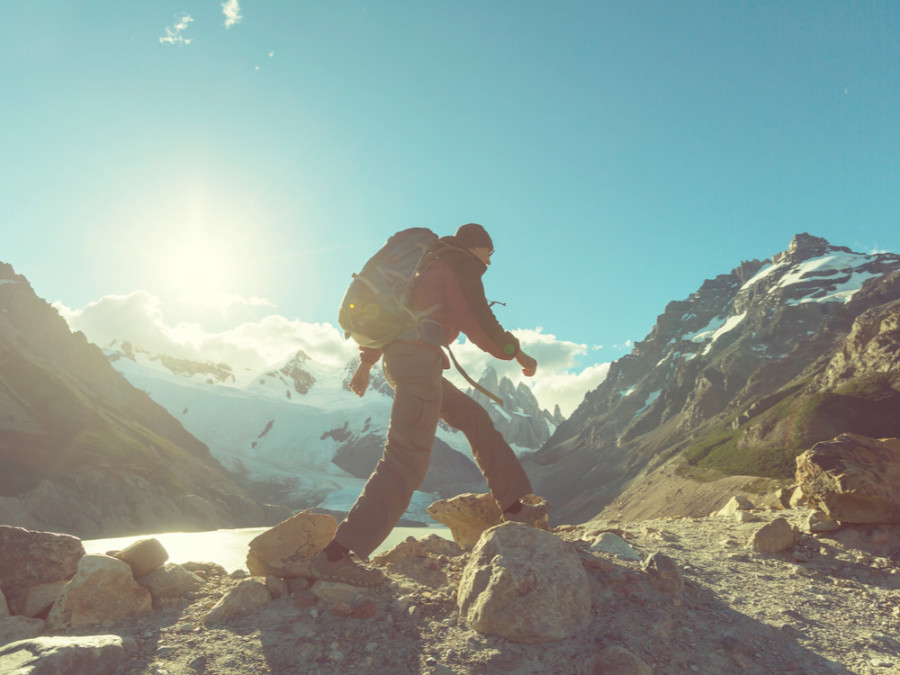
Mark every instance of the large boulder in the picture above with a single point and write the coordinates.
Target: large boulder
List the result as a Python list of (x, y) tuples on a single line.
[(59, 655), (525, 585), (37, 600), (15, 628), (469, 515), (143, 556), (286, 549), (28, 558), (853, 478), (168, 582), (103, 589)]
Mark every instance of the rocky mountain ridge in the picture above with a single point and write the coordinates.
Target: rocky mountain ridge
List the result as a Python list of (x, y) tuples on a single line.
[(751, 369), (85, 452), (521, 420)]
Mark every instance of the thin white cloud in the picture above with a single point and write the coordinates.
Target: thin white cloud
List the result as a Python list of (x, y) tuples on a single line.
[(139, 318), (175, 34), (232, 12)]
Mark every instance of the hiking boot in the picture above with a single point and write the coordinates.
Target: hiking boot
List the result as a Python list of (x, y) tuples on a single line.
[(344, 571), (530, 514)]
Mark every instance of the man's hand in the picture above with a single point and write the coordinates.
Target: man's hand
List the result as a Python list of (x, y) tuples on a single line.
[(360, 380), (529, 365)]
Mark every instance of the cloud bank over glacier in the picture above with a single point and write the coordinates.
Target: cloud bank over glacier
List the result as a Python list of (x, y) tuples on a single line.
[(253, 345)]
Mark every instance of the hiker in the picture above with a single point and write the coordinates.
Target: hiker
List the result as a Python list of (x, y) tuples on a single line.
[(449, 279)]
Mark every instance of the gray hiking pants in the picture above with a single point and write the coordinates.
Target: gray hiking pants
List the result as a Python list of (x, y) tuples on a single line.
[(421, 397)]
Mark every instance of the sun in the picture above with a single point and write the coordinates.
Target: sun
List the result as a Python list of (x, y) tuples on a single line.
[(197, 266)]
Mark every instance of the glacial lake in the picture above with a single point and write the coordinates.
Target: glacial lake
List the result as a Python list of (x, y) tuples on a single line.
[(229, 548)]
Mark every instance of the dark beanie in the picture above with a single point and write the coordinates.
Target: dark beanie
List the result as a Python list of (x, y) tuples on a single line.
[(473, 235)]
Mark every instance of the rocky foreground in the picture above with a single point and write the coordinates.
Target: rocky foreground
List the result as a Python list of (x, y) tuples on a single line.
[(744, 591)]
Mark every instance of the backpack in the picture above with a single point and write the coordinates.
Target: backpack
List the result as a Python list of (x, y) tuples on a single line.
[(373, 311)]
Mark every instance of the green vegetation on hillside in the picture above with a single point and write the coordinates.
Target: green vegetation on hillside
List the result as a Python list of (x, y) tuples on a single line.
[(868, 405)]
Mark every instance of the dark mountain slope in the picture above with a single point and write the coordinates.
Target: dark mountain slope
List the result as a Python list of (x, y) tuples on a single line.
[(85, 452)]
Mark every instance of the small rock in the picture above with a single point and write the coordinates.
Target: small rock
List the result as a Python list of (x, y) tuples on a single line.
[(169, 581), (247, 595), (277, 586), (617, 660), (774, 537), (613, 544), (664, 573), (298, 584), (735, 504), (819, 522)]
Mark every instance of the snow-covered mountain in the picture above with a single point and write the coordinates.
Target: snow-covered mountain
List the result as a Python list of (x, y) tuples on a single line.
[(295, 434), (739, 378)]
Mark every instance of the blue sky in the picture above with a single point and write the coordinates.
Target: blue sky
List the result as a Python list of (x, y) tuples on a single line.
[(619, 152)]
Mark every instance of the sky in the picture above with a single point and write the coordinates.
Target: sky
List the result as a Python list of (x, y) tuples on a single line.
[(207, 175)]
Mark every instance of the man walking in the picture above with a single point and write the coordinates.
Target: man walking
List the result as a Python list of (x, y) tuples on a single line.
[(413, 366)]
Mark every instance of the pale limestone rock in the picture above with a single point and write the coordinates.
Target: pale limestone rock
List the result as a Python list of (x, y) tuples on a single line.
[(774, 537), (61, 655), (15, 628), (664, 574), (782, 498), (467, 515), (524, 584), (143, 556), (102, 590), (819, 522), (735, 504), (37, 600), (170, 581), (28, 558), (797, 498), (853, 479), (613, 544), (286, 549), (617, 660), (4, 609), (248, 594)]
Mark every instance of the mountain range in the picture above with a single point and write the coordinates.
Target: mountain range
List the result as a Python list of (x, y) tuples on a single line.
[(753, 368), (728, 387), (294, 433)]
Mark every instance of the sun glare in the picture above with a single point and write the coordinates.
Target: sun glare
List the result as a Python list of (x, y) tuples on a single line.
[(196, 267)]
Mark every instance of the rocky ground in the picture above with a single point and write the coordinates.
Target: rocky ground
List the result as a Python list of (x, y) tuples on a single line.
[(829, 605)]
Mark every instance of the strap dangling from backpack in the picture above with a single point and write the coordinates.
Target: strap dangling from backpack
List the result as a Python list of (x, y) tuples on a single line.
[(492, 396)]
